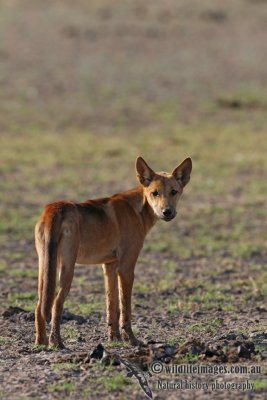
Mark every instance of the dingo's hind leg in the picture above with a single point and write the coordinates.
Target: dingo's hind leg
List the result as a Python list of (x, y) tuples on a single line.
[(67, 258), (40, 323)]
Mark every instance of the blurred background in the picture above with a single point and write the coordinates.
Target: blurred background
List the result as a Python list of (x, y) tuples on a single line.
[(86, 87)]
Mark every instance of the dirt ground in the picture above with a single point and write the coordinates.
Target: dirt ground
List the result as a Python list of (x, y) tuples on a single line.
[(86, 87)]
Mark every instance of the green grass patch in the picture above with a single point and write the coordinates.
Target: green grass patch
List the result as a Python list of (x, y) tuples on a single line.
[(65, 366), (3, 269), (172, 341), (66, 387), (24, 273), (70, 332), (39, 347), (188, 358), (259, 384), (4, 340), (244, 98), (114, 383), (24, 300), (206, 326), (116, 344), (84, 308)]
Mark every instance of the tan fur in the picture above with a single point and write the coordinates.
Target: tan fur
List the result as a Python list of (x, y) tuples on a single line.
[(108, 231)]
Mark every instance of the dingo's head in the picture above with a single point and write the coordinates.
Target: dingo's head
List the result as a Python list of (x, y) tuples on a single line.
[(163, 190)]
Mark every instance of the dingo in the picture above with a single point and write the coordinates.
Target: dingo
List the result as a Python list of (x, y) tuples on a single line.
[(108, 231)]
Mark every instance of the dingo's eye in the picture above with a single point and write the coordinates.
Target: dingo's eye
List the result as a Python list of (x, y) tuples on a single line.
[(155, 193), (174, 192)]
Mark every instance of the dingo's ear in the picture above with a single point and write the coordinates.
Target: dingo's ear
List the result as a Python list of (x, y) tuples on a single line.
[(183, 171), (144, 173)]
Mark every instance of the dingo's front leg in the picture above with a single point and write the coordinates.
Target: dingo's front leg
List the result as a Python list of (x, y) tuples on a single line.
[(126, 279), (112, 300)]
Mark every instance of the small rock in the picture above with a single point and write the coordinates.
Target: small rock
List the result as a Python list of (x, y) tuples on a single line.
[(151, 341), (68, 316), (194, 347), (158, 345), (211, 352), (250, 346), (27, 316), (167, 360), (243, 352), (12, 311), (197, 313), (218, 16), (98, 352), (228, 336), (169, 351), (258, 335)]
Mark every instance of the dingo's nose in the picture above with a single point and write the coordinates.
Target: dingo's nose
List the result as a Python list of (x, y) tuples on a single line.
[(167, 212)]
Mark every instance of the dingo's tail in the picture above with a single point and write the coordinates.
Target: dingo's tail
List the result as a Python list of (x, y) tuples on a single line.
[(51, 234)]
